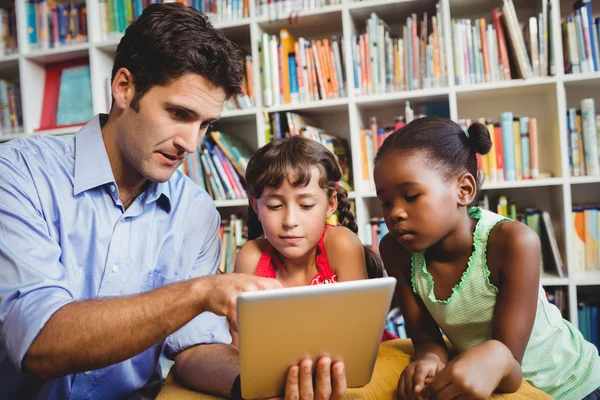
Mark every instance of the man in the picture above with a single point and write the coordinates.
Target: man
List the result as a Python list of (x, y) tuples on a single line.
[(107, 253)]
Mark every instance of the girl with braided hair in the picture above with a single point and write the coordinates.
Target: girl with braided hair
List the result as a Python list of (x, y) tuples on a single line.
[(293, 188)]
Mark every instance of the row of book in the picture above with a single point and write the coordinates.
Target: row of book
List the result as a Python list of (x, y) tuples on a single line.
[(11, 114), (289, 9), (514, 155), (116, 15), (51, 24), (301, 70), (286, 124), (499, 51), (218, 166), (538, 220), (386, 62), (580, 39), (8, 30), (583, 129), (586, 225), (234, 233)]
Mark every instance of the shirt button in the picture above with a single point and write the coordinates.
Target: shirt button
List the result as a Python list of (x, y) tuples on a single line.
[(87, 372), (115, 268), (112, 188)]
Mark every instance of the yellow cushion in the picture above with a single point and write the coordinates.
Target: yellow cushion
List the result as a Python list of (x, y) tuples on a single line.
[(393, 357)]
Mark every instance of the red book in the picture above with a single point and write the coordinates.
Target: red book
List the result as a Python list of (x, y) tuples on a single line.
[(499, 152), (51, 92), (501, 35)]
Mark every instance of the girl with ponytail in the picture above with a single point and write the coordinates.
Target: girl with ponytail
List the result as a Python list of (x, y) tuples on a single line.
[(471, 273)]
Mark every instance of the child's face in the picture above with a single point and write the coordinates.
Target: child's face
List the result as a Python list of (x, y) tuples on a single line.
[(419, 205), (293, 218)]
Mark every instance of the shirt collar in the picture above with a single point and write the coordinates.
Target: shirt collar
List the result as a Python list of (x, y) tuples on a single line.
[(92, 166)]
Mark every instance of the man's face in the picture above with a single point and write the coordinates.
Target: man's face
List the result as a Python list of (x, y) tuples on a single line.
[(170, 123)]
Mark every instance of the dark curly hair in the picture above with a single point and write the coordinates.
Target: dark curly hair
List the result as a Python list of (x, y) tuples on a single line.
[(296, 156), (170, 40)]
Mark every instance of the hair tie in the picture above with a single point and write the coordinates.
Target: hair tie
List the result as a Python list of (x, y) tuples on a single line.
[(466, 131), (336, 185)]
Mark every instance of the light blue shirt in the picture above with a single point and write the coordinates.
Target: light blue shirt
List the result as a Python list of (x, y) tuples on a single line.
[(65, 236)]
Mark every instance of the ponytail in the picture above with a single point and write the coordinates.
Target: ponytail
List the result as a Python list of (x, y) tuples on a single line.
[(373, 261), (345, 215), (255, 229)]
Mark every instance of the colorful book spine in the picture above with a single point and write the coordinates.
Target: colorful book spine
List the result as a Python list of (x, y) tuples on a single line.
[(492, 162), (579, 239), (574, 139), (525, 156), (590, 137), (533, 148), (517, 142), (498, 143), (591, 238), (508, 145)]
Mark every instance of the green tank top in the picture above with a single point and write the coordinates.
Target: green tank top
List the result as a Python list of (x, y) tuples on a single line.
[(557, 359)]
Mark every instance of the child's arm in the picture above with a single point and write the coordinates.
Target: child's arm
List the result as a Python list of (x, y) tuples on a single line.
[(514, 251), (513, 257), (431, 354), (345, 253), (246, 262)]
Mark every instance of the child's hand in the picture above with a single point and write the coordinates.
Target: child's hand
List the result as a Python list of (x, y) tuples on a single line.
[(329, 382), (475, 373), (416, 375)]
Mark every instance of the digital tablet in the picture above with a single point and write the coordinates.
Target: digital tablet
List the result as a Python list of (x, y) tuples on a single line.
[(279, 328)]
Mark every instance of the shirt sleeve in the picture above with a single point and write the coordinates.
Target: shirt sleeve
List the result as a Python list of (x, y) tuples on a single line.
[(206, 327), (33, 282)]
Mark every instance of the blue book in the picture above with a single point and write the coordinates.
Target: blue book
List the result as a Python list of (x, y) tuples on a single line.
[(570, 146), (31, 25), (63, 22), (356, 59), (579, 27), (137, 8), (75, 96), (588, 5), (292, 67), (508, 146), (594, 322), (524, 128), (4, 106)]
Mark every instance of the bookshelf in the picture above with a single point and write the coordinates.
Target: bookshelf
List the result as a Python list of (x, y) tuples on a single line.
[(547, 98)]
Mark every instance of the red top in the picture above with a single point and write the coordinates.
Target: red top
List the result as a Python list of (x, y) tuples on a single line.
[(269, 263)]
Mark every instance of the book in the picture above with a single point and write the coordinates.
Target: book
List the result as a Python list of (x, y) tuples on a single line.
[(550, 244), (75, 96)]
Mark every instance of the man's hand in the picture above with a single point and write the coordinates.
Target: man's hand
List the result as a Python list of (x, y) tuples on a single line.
[(417, 374), (474, 374), (219, 292), (329, 382)]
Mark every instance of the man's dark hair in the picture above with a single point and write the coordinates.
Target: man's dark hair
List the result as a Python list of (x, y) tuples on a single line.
[(170, 40)]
